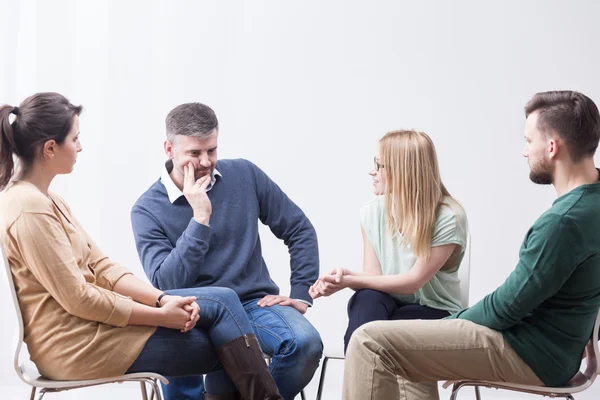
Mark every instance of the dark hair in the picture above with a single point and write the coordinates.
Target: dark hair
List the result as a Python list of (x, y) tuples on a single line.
[(41, 117), (191, 119), (571, 115)]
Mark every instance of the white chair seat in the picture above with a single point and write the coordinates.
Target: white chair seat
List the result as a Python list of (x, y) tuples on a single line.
[(42, 382), (337, 353)]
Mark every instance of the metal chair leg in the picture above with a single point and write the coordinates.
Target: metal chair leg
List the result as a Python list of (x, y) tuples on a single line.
[(155, 388), (302, 395), (144, 393), (152, 392), (322, 378), (42, 393), (32, 397), (477, 394), (455, 389)]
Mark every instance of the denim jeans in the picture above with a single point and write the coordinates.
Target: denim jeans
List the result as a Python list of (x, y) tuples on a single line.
[(173, 353), (367, 305), (285, 335)]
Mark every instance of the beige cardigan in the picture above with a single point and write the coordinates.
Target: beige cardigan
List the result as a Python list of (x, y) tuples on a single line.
[(75, 325)]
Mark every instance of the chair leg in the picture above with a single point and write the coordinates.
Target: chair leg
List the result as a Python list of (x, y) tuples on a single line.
[(32, 397), (144, 393), (152, 392), (455, 389), (322, 378), (42, 393), (155, 388), (477, 394), (302, 395)]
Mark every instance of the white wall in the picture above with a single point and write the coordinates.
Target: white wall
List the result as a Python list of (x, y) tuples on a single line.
[(305, 90)]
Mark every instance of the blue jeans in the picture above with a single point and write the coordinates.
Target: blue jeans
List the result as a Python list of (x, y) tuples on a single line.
[(172, 353), (285, 335)]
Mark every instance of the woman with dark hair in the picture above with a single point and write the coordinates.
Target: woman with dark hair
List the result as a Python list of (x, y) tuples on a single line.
[(85, 316)]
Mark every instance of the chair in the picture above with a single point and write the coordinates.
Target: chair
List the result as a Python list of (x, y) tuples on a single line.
[(30, 375), (580, 382), (337, 354), (464, 273)]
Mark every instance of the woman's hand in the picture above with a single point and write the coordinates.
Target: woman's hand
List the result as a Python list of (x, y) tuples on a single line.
[(179, 312), (329, 283), (194, 310)]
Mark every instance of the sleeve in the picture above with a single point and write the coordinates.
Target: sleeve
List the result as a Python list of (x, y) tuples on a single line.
[(546, 261), (167, 266), (370, 220), (107, 272), (47, 252), (450, 228), (288, 223)]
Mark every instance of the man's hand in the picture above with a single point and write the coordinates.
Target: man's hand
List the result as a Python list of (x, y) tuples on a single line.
[(271, 300), (195, 193)]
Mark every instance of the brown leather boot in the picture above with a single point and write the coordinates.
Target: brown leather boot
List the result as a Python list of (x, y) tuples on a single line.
[(245, 365), (223, 396)]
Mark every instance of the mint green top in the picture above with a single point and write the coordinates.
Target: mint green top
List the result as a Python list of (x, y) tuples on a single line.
[(547, 307), (397, 257)]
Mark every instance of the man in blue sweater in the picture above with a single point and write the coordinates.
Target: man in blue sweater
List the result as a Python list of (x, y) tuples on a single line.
[(198, 226)]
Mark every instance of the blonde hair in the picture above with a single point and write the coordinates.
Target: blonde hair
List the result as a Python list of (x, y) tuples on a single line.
[(414, 188)]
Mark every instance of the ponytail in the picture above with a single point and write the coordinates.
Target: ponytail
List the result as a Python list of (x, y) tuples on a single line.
[(7, 145)]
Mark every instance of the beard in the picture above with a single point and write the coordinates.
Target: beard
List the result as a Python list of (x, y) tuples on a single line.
[(542, 172)]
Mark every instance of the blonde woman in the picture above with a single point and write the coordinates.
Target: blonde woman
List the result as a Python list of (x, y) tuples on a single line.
[(414, 237)]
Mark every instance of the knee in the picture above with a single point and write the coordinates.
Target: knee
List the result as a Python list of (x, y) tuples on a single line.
[(225, 295), (358, 341), (366, 296), (308, 347), (312, 347), (370, 337)]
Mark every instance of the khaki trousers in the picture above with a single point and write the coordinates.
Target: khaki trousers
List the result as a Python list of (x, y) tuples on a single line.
[(405, 359)]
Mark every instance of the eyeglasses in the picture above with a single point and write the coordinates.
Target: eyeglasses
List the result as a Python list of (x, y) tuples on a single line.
[(377, 165)]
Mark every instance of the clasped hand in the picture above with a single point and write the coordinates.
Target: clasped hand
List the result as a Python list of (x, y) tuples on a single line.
[(180, 312), (329, 283)]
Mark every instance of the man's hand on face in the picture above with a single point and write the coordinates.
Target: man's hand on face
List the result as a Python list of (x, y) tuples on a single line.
[(194, 191), (271, 300)]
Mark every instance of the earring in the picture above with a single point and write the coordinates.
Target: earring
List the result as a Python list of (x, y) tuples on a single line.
[(52, 154)]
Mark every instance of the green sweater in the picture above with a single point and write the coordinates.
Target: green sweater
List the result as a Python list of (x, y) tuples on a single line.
[(547, 307)]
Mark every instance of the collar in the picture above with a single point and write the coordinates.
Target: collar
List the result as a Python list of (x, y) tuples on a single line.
[(172, 190)]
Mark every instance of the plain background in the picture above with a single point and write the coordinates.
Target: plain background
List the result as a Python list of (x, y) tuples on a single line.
[(304, 89)]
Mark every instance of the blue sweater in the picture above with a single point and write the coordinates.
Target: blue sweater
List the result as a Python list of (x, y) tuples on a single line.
[(178, 252)]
